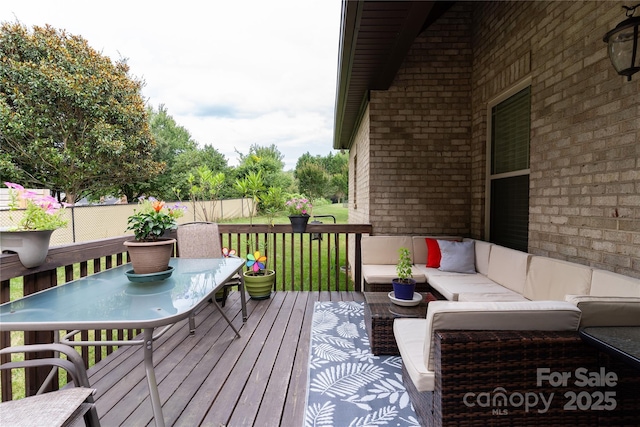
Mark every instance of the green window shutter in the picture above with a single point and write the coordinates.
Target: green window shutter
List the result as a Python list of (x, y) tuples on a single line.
[(510, 140), (510, 133), (510, 212)]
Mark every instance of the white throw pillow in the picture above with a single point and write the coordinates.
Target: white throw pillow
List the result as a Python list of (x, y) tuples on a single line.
[(458, 257)]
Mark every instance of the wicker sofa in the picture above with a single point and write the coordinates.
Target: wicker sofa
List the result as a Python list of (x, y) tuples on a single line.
[(496, 326)]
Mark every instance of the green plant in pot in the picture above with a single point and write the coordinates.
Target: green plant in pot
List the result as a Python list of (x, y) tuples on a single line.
[(299, 209), (30, 234), (150, 251), (404, 285), (258, 280)]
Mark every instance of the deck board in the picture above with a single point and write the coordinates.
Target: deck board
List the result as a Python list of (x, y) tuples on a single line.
[(212, 378)]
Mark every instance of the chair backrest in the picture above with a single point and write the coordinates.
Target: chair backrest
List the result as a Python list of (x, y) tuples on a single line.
[(199, 240)]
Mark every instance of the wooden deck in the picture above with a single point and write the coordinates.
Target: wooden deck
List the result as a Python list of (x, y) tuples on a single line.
[(213, 378)]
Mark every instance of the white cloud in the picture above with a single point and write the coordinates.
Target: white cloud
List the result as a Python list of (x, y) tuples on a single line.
[(233, 73)]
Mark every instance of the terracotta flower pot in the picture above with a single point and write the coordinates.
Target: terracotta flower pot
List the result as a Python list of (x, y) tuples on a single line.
[(150, 257)]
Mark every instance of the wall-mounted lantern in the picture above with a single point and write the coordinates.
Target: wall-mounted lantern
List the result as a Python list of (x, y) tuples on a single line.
[(624, 46)]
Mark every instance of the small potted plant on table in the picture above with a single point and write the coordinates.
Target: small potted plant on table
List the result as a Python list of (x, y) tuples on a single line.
[(150, 251), (404, 286)]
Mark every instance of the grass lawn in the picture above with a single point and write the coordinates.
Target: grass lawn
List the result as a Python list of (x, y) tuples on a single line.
[(300, 262), (336, 209)]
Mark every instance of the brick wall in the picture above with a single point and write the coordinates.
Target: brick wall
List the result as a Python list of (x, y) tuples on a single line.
[(359, 176), (427, 134), (419, 138), (585, 127)]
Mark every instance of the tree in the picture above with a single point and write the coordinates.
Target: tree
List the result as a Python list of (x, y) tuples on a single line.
[(187, 164), (268, 161), (313, 180), (252, 185), (172, 141), (70, 118), (205, 191), (326, 177)]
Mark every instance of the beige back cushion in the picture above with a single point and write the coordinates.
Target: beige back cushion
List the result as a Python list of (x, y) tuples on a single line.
[(383, 249), (553, 279), (515, 316), (420, 247), (482, 249), (508, 267), (607, 283)]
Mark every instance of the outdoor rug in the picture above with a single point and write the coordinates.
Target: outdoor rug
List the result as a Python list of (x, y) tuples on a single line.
[(348, 385)]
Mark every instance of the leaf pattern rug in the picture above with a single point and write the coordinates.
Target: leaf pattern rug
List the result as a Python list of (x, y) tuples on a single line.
[(348, 385)]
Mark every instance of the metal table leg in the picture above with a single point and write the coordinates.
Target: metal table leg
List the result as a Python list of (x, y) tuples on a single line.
[(151, 378), (243, 298)]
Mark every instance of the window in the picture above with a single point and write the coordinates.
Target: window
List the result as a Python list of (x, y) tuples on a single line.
[(508, 180)]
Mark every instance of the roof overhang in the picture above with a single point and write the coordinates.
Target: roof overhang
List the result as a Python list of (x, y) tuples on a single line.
[(375, 37)]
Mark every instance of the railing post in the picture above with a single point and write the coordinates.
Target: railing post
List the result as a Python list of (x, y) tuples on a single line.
[(358, 269), (34, 377)]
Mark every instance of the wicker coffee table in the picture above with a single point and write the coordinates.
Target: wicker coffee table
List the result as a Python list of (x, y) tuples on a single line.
[(379, 314)]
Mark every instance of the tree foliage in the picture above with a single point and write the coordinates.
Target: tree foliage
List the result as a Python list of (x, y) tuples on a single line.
[(312, 180), (204, 192), (172, 140), (187, 164), (70, 118), (326, 176), (268, 161)]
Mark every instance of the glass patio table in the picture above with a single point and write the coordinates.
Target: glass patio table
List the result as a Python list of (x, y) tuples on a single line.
[(109, 300)]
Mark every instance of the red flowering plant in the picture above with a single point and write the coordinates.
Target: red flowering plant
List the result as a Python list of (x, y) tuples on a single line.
[(153, 218), (41, 212)]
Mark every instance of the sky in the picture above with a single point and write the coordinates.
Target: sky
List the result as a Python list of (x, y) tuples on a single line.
[(232, 72)]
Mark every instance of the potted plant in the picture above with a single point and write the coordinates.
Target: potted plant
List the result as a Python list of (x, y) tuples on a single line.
[(150, 251), (258, 280), (299, 208), (404, 286), (29, 237)]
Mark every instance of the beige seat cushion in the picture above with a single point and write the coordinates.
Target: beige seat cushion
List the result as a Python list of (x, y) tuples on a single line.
[(552, 279), (450, 286), (430, 272), (409, 334), (491, 296), (385, 273)]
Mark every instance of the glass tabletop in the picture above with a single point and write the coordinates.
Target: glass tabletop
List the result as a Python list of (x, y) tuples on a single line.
[(620, 341), (108, 299)]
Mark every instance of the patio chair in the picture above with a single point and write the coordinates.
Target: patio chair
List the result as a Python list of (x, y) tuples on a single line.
[(202, 240), (66, 407)]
